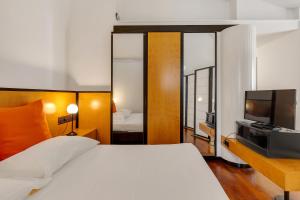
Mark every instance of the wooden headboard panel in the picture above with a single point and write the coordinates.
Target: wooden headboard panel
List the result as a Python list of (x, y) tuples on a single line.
[(59, 99), (95, 112)]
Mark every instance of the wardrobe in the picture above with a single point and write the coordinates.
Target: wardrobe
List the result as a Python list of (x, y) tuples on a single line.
[(163, 77), (161, 61)]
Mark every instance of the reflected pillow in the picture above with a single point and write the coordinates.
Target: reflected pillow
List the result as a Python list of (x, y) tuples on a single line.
[(118, 116), (126, 112), (114, 108)]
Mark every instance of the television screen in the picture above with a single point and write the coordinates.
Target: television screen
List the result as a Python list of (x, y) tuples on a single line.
[(258, 106), (275, 107)]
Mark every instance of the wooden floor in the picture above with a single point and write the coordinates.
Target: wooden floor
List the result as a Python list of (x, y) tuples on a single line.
[(239, 184), (243, 184), (203, 146)]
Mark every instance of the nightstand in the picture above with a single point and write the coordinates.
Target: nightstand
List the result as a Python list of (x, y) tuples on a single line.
[(90, 133)]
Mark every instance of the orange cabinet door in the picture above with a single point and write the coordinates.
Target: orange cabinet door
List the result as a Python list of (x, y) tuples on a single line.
[(164, 74)]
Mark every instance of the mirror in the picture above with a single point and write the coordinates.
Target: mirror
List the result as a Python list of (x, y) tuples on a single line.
[(200, 91), (128, 89)]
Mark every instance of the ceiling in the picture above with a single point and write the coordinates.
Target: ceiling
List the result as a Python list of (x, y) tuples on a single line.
[(286, 3)]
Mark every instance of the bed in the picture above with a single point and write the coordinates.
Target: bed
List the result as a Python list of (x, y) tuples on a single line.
[(128, 128), (157, 172), (78, 168), (132, 123)]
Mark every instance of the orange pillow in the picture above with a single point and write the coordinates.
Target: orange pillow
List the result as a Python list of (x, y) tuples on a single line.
[(22, 127), (114, 108)]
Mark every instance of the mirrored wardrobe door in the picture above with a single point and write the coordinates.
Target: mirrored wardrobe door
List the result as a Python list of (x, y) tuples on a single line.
[(189, 101), (204, 108), (128, 89), (199, 74), (202, 85)]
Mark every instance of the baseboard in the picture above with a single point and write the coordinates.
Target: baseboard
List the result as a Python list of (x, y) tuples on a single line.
[(237, 165)]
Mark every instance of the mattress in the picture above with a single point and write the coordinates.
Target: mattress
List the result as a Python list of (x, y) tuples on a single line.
[(133, 123), (153, 172)]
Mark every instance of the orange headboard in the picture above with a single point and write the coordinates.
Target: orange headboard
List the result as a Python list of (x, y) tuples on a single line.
[(55, 105), (95, 112), (94, 108)]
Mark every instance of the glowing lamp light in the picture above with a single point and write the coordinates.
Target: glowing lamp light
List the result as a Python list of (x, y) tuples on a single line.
[(95, 104), (72, 109), (116, 100), (249, 106), (49, 108), (200, 99)]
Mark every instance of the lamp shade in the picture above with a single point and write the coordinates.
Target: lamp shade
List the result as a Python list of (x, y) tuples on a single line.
[(72, 109)]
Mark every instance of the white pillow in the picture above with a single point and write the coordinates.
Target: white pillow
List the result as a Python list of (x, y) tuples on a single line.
[(44, 159), (126, 112), (37, 183), (11, 189), (118, 116)]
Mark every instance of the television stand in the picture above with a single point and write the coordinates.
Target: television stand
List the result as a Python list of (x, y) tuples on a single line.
[(262, 125), (284, 173), (274, 142)]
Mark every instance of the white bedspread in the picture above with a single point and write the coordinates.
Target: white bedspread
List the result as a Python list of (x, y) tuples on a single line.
[(133, 123), (164, 172)]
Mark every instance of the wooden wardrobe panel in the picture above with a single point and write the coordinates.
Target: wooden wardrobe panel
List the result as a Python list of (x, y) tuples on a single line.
[(164, 71), (94, 112)]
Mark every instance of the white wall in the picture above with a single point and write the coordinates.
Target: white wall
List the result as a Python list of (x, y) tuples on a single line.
[(199, 51), (128, 46), (294, 12), (42, 42), (128, 84), (279, 63), (236, 75), (193, 10), (89, 34), (32, 38), (128, 71), (260, 9), (172, 10)]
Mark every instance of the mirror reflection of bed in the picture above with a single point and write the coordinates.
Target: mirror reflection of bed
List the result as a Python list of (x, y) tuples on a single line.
[(128, 127), (199, 91), (128, 89)]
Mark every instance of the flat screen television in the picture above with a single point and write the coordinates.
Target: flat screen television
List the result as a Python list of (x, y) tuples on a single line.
[(271, 107)]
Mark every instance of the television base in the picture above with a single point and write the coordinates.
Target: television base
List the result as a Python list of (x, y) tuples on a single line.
[(261, 125), (274, 143)]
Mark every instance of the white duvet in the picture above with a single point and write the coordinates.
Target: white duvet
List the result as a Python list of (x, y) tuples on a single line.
[(132, 123), (160, 172)]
